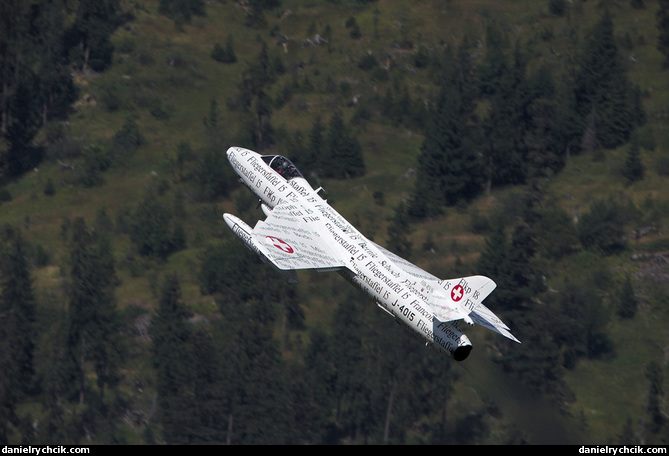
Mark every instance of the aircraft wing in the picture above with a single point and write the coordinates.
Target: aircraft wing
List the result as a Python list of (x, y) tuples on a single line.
[(291, 242)]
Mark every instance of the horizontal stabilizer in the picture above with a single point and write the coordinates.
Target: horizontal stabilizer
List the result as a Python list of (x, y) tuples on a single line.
[(484, 317)]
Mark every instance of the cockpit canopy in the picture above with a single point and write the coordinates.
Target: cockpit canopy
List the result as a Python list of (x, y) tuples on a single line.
[(283, 166)]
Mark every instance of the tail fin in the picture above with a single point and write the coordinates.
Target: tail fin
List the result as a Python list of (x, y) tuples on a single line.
[(469, 293)]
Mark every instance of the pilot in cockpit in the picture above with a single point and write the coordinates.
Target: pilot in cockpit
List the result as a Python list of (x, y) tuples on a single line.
[(283, 166)]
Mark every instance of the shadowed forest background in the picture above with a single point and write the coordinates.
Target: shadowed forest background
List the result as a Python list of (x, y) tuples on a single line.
[(523, 140)]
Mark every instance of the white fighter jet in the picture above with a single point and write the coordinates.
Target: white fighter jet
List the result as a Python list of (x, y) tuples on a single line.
[(302, 231)]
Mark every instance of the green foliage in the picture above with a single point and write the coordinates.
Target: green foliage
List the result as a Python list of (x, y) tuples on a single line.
[(627, 300), (398, 230), (36, 52), (93, 322), (607, 103), (505, 128), (224, 54), (556, 233), (602, 228), (633, 170), (449, 167), (154, 226), (96, 161), (338, 371), (662, 17), (23, 110), (89, 38), (181, 10), (340, 152), (17, 328), (367, 62), (49, 188), (189, 379), (557, 7), (657, 419), (354, 32)]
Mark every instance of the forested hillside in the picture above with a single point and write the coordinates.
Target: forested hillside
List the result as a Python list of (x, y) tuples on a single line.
[(524, 140)]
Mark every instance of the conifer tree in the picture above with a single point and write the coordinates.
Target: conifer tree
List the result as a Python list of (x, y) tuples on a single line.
[(93, 322), (494, 263), (505, 151), (627, 301), (314, 385), (17, 332), (449, 166), (89, 38), (348, 360), (495, 63), (633, 170), (18, 308), (14, 26), (663, 28), (344, 154), (397, 232), (608, 106), (316, 149), (171, 337), (57, 90), (254, 375), (601, 229), (546, 137), (208, 392), (656, 420), (181, 10)]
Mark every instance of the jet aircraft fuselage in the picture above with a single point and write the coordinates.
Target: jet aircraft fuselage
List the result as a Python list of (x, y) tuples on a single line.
[(302, 231)]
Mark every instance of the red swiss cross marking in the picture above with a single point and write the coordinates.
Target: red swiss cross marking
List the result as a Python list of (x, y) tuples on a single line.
[(280, 244), (457, 293)]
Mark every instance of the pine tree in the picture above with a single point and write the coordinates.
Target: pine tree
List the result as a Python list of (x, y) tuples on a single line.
[(224, 54), (14, 28), (603, 90), (507, 124), (208, 393), (494, 262), (18, 308), (316, 150), (397, 232), (495, 64), (313, 383), (181, 10), (633, 170), (57, 90), (89, 38), (264, 132), (546, 136), (17, 332), (627, 301), (24, 111), (93, 331), (171, 337), (601, 229), (348, 361), (449, 167), (343, 151), (255, 384), (663, 28), (656, 419)]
